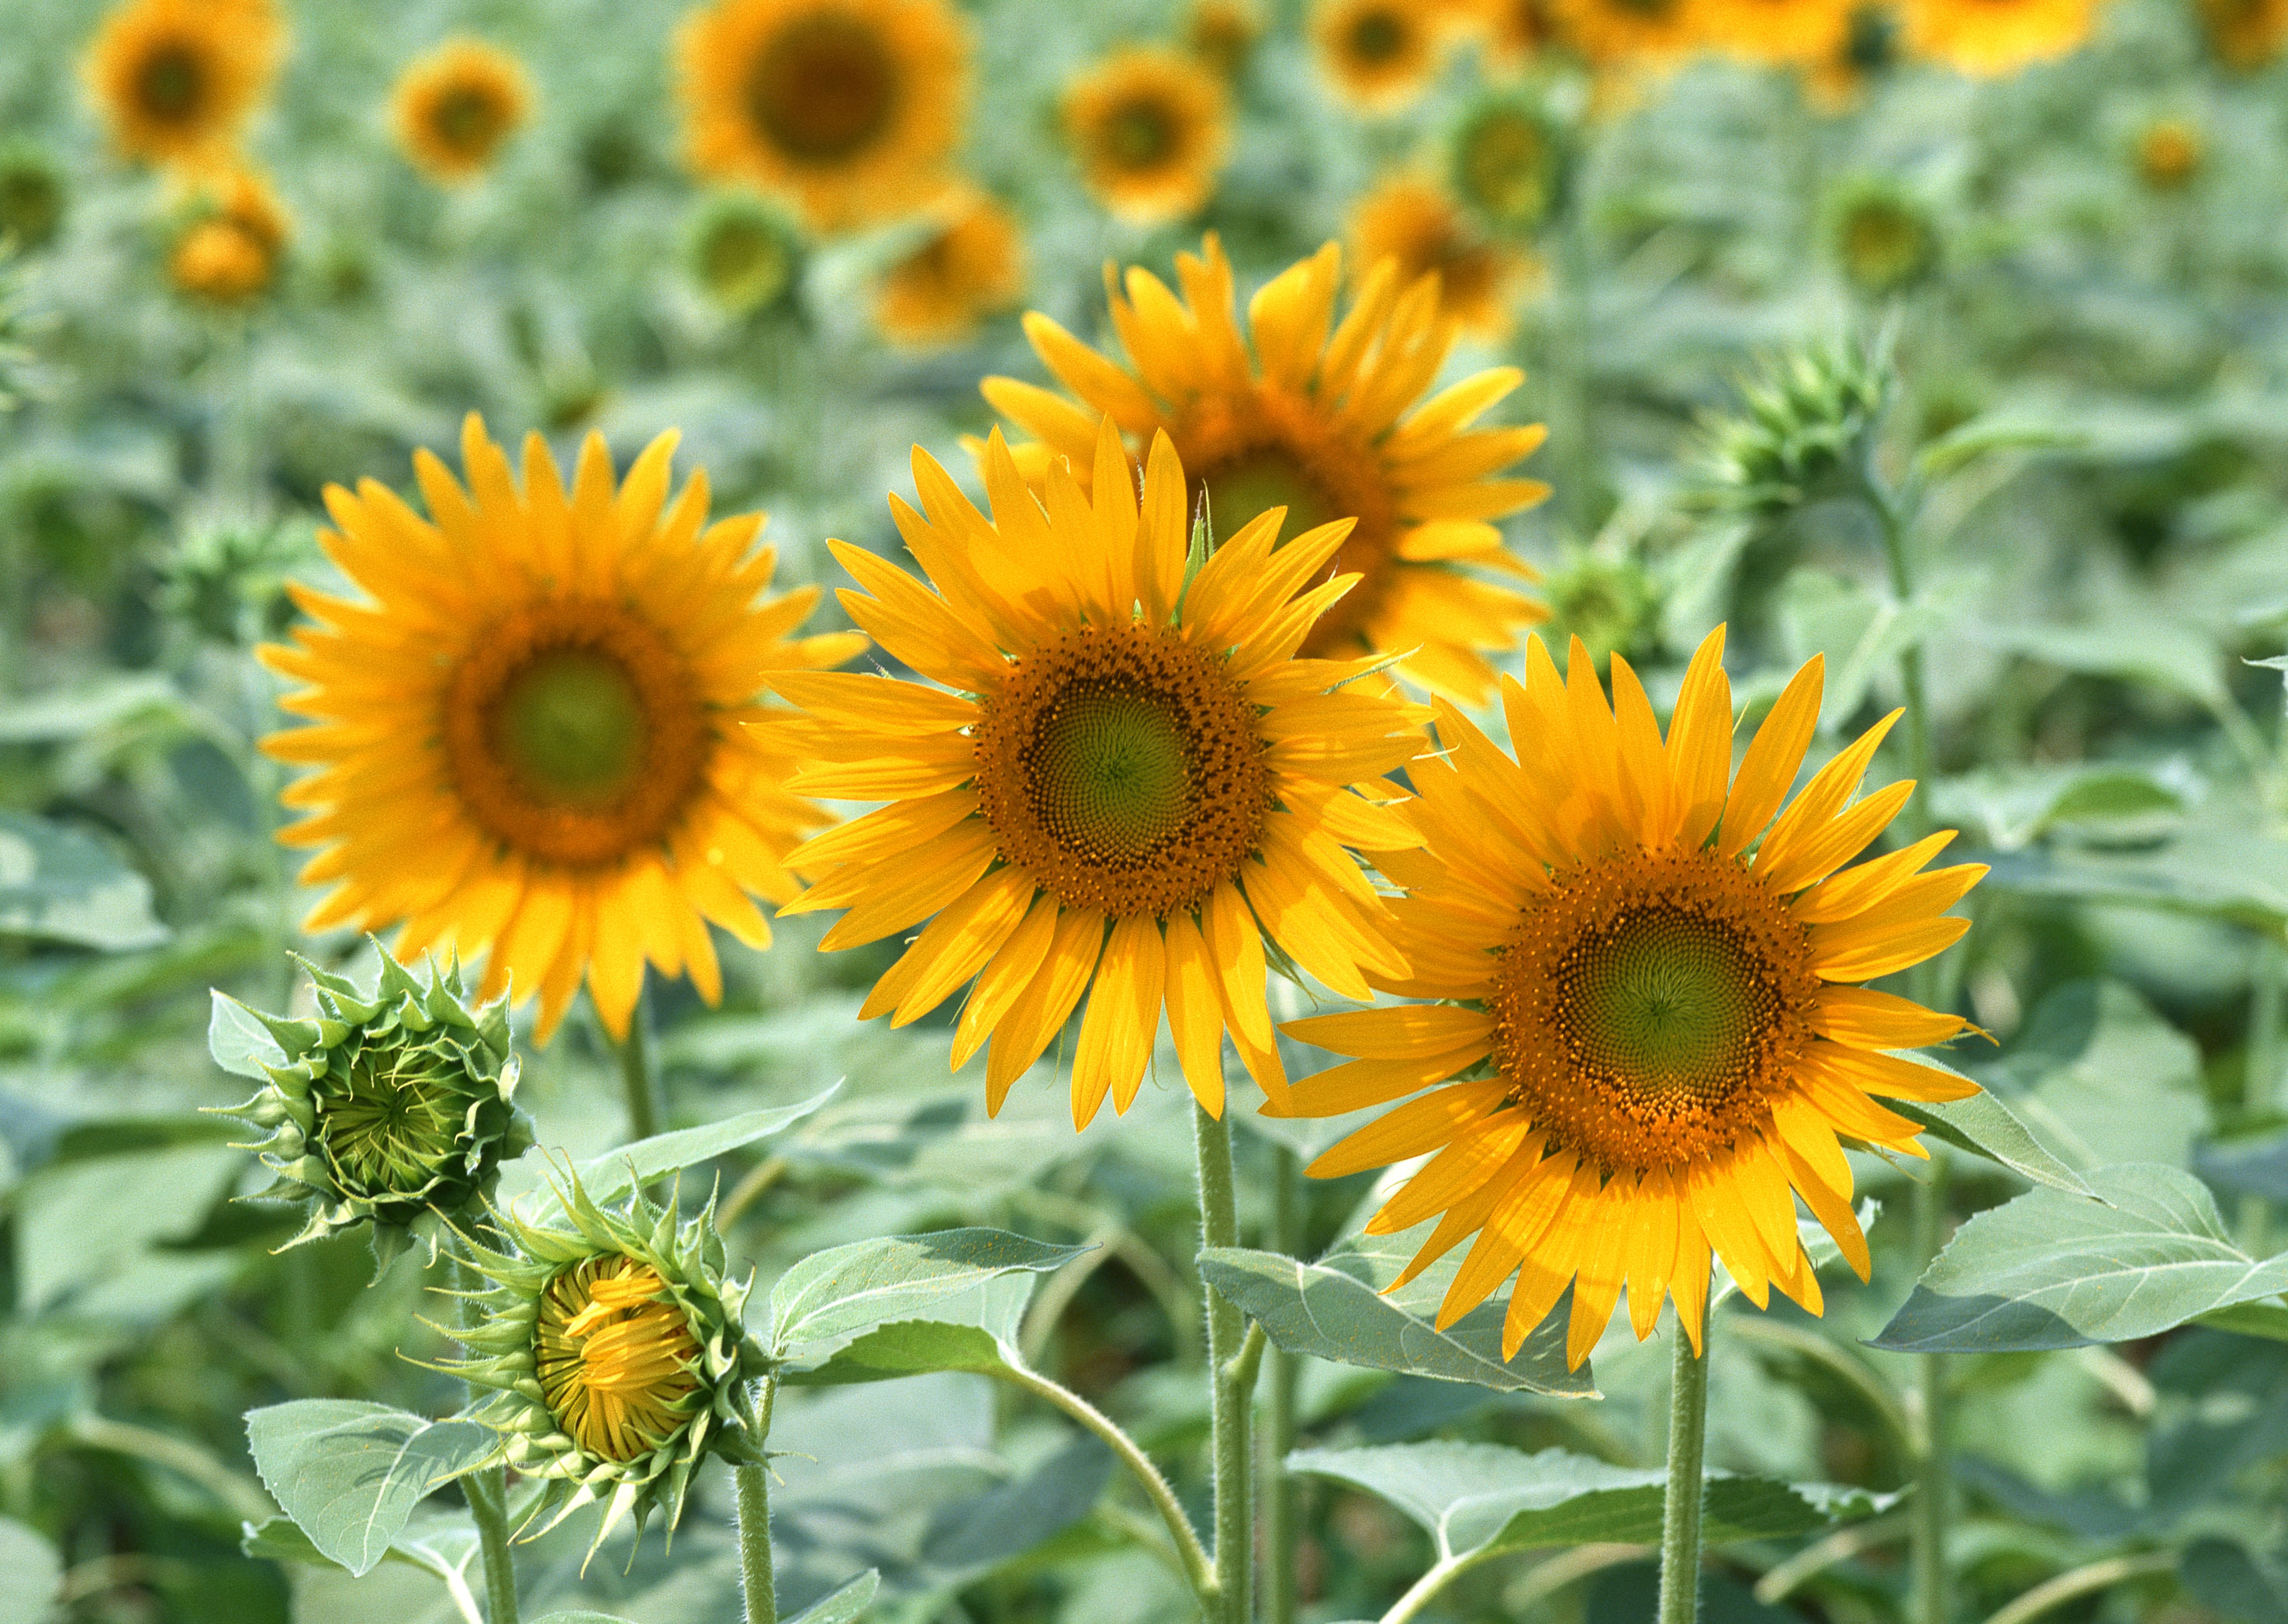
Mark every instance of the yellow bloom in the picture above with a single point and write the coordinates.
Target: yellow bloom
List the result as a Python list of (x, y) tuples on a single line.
[(528, 737), (1804, 32), (851, 107), (176, 79), (1616, 33), (2247, 34), (456, 105), (1654, 1037), (971, 265), (1221, 33), (229, 252), (1328, 422), (2169, 153), (614, 1354), (1149, 128), (1380, 55), (1990, 37), (1123, 781), (1417, 225)]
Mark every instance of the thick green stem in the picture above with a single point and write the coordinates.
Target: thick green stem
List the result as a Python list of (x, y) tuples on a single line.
[(639, 1076), (1228, 1382), (1279, 1526), (486, 1493), (1893, 523), (753, 1492), (1931, 1603), (1688, 1441), (2261, 1082)]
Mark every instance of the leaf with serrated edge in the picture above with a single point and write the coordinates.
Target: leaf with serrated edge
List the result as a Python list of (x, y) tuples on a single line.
[(849, 1602), (350, 1473), (2052, 1271), (851, 1289)]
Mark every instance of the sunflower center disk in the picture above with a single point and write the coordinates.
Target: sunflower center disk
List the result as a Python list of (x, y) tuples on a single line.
[(614, 1356), (1254, 482), (392, 1133), (573, 733), (1120, 767), (1379, 38), (1139, 136), (468, 120), (1649, 1009), (172, 82), (824, 87)]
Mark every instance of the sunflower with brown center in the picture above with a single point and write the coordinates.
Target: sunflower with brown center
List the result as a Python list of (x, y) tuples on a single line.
[(1620, 33), (850, 106), (1380, 55), (529, 738), (1987, 38), (2246, 34), (456, 105), (1416, 225), (176, 79), (1646, 1037), (1325, 420), (1149, 128), (1124, 779), (969, 266)]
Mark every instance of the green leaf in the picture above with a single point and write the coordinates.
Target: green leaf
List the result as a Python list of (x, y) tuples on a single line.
[(1486, 1500), (60, 885), (2224, 865), (2054, 1270), (2009, 808), (2136, 645), (241, 1044), (350, 1473), (646, 1159), (1983, 1126), (82, 1226), (852, 1288), (431, 1542), (33, 1575), (1982, 437), (849, 1602), (2104, 1077), (2223, 1577), (1332, 1310), (600, 1618)]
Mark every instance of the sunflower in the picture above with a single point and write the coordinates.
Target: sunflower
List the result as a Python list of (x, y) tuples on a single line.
[(1222, 34), (2247, 34), (1126, 779), (2169, 153), (1149, 127), (1884, 238), (1616, 32), (849, 105), (1505, 161), (1322, 420), (970, 264), (529, 739), (1647, 1040), (456, 105), (1380, 55), (178, 78), (745, 252), (1803, 33), (1513, 32), (229, 251), (1413, 223), (1990, 37)]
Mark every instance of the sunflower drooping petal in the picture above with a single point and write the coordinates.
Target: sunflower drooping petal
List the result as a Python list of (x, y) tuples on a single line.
[(1646, 1006)]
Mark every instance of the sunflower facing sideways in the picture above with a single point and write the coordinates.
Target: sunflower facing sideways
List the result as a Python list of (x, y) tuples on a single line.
[(849, 106), (1646, 1041), (1148, 127), (1326, 420), (528, 738), (1122, 781), (178, 78), (456, 105)]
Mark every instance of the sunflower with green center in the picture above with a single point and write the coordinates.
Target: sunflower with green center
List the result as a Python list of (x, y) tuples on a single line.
[(1324, 420), (1124, 780), (528, 738), (177, 79), (1646, 1036)]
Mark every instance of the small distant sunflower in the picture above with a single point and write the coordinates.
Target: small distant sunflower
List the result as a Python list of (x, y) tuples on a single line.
[(2246, 34), (1505, 161), (456, 105), (528, 738), (1884, 239), (1801, 32), (1380, 55), (1125, 781), (176, 79), (1986, 39), (851, 107), (229, 250), (1648, 1041), (2169, 153), (1619, 33), (970, 265), (1415, 224), (1327, 421), (1149, 127), (1222, 33)]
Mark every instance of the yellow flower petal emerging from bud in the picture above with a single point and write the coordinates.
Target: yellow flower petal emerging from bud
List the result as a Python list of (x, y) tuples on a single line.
[(615, 1355)]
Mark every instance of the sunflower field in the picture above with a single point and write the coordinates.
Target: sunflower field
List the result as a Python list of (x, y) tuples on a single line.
[(1256, 812)]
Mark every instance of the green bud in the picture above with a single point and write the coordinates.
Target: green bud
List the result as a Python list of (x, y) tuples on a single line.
[(745, 253), (1884, 239), (1806, 432), (1505, 160)]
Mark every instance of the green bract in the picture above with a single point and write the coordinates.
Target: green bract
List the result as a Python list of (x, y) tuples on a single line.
[(1506, 161), (1805, 434), (621, 1411), (388, 1105)]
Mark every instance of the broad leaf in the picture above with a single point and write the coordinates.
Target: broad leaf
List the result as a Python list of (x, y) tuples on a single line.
[(2009, 808), (1486, 1498), (350, 1473), (852, 1288), (621, 1171), (849, 1602), (1983, 1126), (2054, 1270), (32, 1575), (2225, 865), (2098, 1074), (60, 885), (431, 1542)]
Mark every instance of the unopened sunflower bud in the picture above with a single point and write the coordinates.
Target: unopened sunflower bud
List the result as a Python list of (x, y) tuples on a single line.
[(615, 1352), (1884, 239), (389, 1104), (1506, 161), (1805, 433)]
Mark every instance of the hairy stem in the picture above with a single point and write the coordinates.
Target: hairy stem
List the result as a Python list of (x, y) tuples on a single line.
[(1227, 1381), (752, 1485), (2261, 1081), (1279, 1525), (487, 1491), (640, 1074), (1931, 1603), (1687, 1440)]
